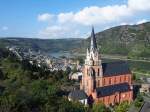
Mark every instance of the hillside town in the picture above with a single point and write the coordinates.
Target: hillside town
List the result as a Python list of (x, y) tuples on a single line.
[(43, 60)]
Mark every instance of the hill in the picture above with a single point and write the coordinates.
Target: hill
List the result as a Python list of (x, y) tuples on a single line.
[(130, 40), (46, 45)]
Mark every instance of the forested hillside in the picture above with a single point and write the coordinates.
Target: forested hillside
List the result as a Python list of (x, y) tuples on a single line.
[(130, 40)]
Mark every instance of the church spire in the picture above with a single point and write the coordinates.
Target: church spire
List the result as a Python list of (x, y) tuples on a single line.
[(93, 40), (92, 57)]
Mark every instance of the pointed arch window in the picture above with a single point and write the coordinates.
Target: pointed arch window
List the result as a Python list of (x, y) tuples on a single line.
[(98, 83), (87, 71), (115, 80), (109, 80), (104, 81)]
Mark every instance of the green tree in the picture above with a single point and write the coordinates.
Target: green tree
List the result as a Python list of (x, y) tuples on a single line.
[(67, 106), (134, 77), (122, 107), (100, 107), (138, 101)]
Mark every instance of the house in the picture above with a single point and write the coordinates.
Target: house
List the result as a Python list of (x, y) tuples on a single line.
[(76, 76), (148, 80), (145, 88), (109, 83), (78, 95)]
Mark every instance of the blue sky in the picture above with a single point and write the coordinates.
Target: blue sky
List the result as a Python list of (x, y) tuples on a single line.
[(68, 18)]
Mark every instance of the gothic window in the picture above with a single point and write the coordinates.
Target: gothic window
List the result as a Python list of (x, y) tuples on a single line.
[(124, 78), (103, 81), (120, 78), (108, 99), (115, 80), (91, 72), (109, 80), (127, 78), (87, 71), (98, 83), (98, 72)]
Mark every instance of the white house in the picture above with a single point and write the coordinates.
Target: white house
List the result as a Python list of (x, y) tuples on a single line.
[(76, 76)]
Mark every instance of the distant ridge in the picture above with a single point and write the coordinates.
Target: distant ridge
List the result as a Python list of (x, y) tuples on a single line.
[(130, 40)]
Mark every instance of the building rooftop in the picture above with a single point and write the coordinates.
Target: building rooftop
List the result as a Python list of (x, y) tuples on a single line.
[(115, 68), (112, 89), (77, 95)]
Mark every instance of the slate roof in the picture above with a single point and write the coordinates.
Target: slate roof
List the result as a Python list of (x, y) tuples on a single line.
[(115, 68), (77, 95), (145, 107), (112, 89)]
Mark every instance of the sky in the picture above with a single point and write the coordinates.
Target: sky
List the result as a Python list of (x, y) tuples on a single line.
[(54, 19)]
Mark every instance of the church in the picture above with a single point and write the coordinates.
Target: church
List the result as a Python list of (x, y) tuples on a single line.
[(109, 83)]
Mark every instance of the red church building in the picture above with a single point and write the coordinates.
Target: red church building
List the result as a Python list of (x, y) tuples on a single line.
[(109, 83)]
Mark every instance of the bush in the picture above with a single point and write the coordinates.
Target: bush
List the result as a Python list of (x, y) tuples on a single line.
[(100, 107), (138, 101), (122, 107)]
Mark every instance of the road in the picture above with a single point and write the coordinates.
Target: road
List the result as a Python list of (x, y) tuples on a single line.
[(117, 57), (141, 73)]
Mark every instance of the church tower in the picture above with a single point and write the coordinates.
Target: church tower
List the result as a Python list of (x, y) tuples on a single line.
[(92, 72)]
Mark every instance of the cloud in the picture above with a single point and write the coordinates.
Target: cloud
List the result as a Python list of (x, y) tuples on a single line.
[(139, 5), (65, 17), (53, 31), (127, 23), (95, 15), (58, 31), (4, 28), (45, 17), (103, 15), (141, 21), (66, 23)]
